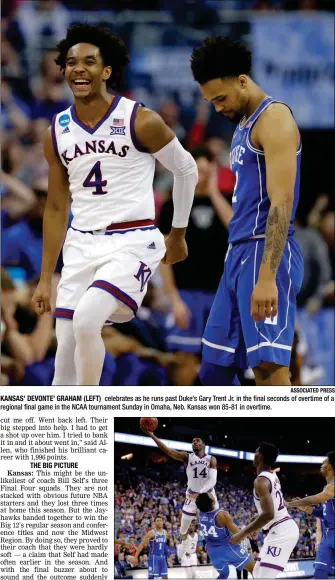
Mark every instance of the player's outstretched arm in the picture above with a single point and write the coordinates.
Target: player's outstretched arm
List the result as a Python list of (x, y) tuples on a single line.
[(325, 495), (161, 142), (178, 455), (223, 518), (262, 489), (278, 135), (54, 225), (146, 539)]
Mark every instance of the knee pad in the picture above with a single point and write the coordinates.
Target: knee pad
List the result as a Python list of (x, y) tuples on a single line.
[(211, 375)]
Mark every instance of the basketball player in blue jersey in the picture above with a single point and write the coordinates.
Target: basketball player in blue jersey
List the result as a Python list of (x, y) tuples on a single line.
[(103, 150), (325, 557), (217, 527), (158, 554), (252, 318)]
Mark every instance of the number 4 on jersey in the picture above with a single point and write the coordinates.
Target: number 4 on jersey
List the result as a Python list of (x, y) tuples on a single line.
[(94, 179)]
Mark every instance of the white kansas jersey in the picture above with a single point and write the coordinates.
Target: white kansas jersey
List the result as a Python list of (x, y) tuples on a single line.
[(191, 544), (110, 175), (280, 510), (197, 472)]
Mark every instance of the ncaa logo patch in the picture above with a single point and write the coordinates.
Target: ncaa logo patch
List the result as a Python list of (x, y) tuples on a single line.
[(64, 120)]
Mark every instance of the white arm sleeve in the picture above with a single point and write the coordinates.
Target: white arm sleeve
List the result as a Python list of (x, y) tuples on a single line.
[(211, 481), (175, 158)]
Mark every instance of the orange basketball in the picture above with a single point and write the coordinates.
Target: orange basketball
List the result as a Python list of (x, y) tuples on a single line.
[(149, 423)]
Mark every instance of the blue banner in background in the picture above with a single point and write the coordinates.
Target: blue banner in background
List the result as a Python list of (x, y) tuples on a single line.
[(293, 61)]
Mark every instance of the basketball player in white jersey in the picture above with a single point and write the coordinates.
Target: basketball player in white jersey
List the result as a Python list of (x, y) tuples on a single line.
[(201, 471), (283, 532), (187, 551), (103, 150)]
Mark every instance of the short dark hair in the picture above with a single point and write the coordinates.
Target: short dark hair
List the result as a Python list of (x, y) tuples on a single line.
[(199, 436), (331, 457), (158, 516), (112, 48), (220, 57), (270, 453), (202, 151), (204, 502)]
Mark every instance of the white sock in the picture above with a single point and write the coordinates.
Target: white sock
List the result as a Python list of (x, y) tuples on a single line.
[(95, 307), (264, 572), (65, 370)]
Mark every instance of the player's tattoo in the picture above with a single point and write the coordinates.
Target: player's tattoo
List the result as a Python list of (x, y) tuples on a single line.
[(275, 235)]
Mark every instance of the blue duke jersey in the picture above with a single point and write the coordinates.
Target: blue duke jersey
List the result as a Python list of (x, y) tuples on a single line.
[(157, 563), (232, 338), (328, 509), (251, 202), (220, 550), (158, 543), (325, 557), (214, 535)]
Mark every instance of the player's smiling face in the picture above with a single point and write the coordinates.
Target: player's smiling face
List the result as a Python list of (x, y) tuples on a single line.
[(228, 95), (197, 444), (85, 71)]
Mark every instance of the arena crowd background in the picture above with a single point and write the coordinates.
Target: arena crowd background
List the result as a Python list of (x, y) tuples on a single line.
[(147, 482), (293, 45)]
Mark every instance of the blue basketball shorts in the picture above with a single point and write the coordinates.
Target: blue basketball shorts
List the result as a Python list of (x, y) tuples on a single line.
[(157, 566), (232, 337), (227, 554), (325, 556), (199, 304)]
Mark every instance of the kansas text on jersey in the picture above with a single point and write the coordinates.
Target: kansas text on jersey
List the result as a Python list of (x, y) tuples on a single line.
[(110, 174), (197, 471)]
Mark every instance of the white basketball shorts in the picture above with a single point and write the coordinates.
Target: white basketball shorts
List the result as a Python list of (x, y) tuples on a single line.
[(190, 560), (189, 511), (120, 262), (278, 544)]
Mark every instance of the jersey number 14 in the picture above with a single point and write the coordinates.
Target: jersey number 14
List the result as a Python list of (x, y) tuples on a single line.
[(203, 473)]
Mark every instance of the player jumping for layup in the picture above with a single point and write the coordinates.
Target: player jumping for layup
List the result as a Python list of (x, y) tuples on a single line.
[(201, 474), (252, 317), (325, 557), (103, 149), (283, 532)]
